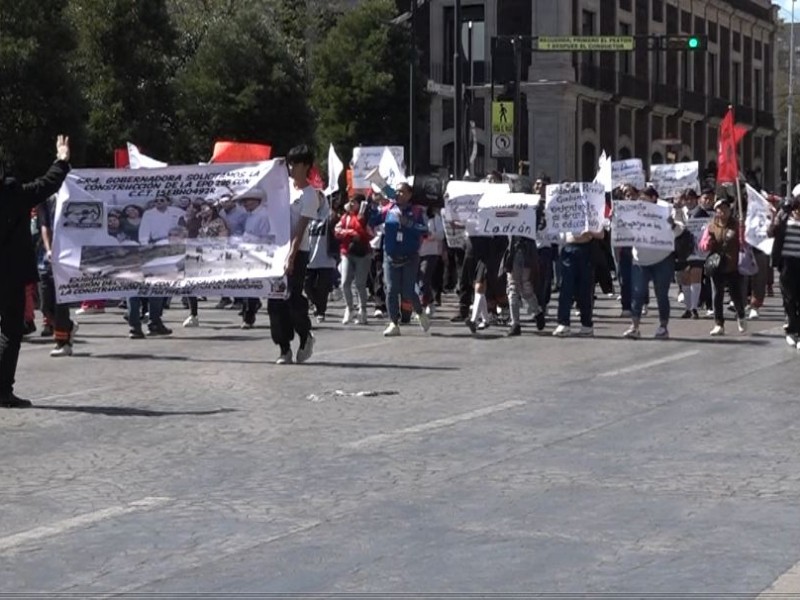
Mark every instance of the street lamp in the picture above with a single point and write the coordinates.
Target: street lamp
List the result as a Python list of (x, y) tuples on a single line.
[(790, 117)]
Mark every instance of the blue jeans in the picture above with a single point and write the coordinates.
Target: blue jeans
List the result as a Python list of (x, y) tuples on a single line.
[(661, 275), (577, 282), (401, 280), (625, 275), (135, 312)]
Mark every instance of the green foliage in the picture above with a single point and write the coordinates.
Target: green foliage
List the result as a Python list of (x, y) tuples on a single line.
[(38, 96)]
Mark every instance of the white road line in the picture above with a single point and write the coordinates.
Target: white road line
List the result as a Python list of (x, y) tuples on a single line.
[(431, 425), (652, 363), (78, 393), (348, 349), (785, 586), (10, 543)]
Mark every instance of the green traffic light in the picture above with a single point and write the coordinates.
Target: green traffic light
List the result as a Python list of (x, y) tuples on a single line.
[(694, 43)]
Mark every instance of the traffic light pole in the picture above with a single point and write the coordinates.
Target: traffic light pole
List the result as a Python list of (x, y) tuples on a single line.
[(517, 102), (458, 93)]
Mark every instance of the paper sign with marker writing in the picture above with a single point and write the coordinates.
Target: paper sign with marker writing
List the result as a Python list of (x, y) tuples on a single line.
[(508, 214), (461, 209), (673, 179), (627, 172), (759, 217), (641, 224), (575, 208)]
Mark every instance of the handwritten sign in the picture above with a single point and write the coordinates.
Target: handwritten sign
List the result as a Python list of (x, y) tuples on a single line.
[(697, 227), (508, 214), (366, 158), (629, 172), (575, 208), (641, 224), (759, 216), (673, 179), (461, 209)]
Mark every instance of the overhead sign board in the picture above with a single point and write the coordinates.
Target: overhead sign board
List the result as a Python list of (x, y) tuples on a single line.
[(588, 43)]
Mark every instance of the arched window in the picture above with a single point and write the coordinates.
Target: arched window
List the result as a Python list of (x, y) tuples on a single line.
[(656, 159), (625, 154), (588, 162)]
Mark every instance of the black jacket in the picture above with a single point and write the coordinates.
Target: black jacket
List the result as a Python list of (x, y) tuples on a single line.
[(17, 200)]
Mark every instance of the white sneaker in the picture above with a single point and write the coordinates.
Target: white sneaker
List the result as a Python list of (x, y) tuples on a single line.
[(90, 311), (586, 332), (393, 330), (320, 319), (632, 333), (246, 325), (662, 333), (798, 345), (709, 313), (378, 313), (304, 353), (791, 340), (65, 350), (680, 298), (424, 321), (561, 331), (284, 359), (361, 319), (348, 316), (644, 310), (191, 321), (430, 310), (718, 330), (753, 314), (742, 325)]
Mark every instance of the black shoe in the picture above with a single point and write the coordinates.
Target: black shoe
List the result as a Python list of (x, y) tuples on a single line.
[(458, 319), (11, 401), (159, 329), (473, 327), (136, 334), (514, 331), (47, 331), (540, 321), (695, 315), (223, 303), (687, 315)]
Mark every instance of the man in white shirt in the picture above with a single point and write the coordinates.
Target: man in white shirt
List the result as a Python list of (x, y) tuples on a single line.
[(159, 220), (290, 316), (256, 225)]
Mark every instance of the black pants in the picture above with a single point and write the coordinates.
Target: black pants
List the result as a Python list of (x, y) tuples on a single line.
[(250, 306), (290, 316), (57, 313), (790, 289), (466, 284), (318, 285), (378, 284), (12, 316), (733, 281)]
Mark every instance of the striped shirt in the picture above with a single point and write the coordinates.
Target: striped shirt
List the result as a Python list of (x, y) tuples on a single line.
[(791, 244)]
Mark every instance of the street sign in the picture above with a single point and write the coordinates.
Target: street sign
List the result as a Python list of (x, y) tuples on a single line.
[(502, 145), (503, 116), (586, 43)]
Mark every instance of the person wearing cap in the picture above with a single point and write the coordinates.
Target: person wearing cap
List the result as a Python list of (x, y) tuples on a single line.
[(256, 224), (722, 237)]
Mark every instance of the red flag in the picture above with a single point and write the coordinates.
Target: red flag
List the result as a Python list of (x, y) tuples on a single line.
[(235, 152), (730, 135), (121, 159)]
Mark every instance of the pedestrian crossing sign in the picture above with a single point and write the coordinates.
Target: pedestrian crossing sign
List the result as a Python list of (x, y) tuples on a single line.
[(502, 117)]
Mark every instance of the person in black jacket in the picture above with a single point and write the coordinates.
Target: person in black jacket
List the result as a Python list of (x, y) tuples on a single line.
[(18, 261)]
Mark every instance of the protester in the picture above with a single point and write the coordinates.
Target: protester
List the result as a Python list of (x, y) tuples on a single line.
[(430, 254), (354, 235), (785, 228)]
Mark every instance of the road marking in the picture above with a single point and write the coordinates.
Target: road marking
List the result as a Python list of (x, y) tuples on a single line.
[(787, 585), (652, 363), (437, 424), (10, 543), (78, 393), (361, 347)]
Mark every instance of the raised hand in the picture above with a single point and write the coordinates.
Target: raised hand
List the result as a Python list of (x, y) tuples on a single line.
[(62, 148)]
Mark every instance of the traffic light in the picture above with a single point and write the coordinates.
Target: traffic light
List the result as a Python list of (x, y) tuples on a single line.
[(684, 42)]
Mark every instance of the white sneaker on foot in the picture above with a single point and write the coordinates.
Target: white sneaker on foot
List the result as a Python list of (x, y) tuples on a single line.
[(65, 350), (90, 311), (285, 359), (361, 319), (305, 352), (429, 310), (378, 313), (742, 325), (424, 321), (718, 330), (662, 333), (561, 331), (347, 317), (393, 330), (791, 340), (753, 314), (632, 333), (191, 321)]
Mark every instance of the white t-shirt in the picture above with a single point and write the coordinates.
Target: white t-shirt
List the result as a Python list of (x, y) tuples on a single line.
[(156, 225), (305, 203)]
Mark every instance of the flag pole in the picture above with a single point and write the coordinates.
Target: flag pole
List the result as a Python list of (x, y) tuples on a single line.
[(739, 206)]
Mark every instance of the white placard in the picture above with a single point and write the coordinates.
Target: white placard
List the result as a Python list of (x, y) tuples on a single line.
[(759, 217), (641, 224), (461, 208), (508, 214), (697, 227), (366, 158), (604, 172), (121, 233), (672, 180), (575, 208), (629, 172)]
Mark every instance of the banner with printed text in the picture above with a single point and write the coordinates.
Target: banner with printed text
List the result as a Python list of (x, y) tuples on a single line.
[(629, 172), (460, 213), (574, 208), (508, 214), (220, 229), (641, 224), (671, 180)]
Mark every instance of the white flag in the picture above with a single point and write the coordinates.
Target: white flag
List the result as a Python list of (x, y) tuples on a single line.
[(335, 168), (759, 217), (138, 160), (389, 169), (604, 172)]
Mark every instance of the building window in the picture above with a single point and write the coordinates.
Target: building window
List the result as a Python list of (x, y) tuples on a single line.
[(686, 75), (658, 11), (737, 41), (757, 82), (625, 5), (478, 69), (757, 50), (712, 76), (737, 83), (625, 57), (712, 32), (588, 161), (587, 29)]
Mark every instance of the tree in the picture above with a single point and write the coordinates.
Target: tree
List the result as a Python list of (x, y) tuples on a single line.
[(241, 84), (360, 79), (125, 58), (39, 98)]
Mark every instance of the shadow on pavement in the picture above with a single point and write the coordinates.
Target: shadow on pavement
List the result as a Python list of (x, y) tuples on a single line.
[(125, 411), (373, 367)]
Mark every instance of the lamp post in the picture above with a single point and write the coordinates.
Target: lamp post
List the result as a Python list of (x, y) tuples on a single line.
[(412, 90), (790, 117), (458, 91)]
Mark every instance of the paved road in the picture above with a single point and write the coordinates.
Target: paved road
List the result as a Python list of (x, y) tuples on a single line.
[(533, 464)]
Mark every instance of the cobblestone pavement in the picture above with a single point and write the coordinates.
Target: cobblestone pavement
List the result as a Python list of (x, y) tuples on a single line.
[(425, 463)]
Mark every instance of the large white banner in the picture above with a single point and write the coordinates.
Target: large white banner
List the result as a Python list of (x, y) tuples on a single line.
[(575, 208), (672, 180), (697, 227), (460, 214), (629, 172), (641, 224), (759, 217), (366, 158), (220, 229), (508, 214)]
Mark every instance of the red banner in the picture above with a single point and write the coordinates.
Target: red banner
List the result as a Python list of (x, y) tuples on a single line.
[(235, 152), (729, 137)]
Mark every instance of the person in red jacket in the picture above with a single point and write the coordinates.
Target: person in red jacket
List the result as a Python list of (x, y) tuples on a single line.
[(354, 235)]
